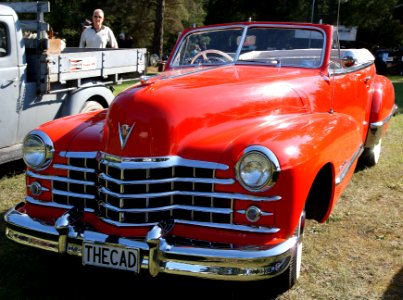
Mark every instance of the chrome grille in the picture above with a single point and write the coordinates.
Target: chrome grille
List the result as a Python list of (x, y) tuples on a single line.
[(80, 186), (145, 191)]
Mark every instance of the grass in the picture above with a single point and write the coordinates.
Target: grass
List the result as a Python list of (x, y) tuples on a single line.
[(121, 87), (356, 254)]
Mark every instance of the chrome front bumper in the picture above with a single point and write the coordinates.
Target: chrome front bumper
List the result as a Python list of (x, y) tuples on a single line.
[(156, 254)]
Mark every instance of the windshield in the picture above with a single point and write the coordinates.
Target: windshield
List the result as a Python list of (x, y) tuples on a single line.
[(275, 46)]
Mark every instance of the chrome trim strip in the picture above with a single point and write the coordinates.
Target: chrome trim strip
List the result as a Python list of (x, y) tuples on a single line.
[(263, 213), (347, 167), (189, 193), (72, 168), (71, 194), (58, 178), (212, 225), (167, 180), (255, 229), (54, 204), (88, 155), (226, 211), (123, 225), (42, 189), (124, 163)]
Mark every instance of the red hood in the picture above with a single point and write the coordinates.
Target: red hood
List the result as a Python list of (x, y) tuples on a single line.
[(169, 108)]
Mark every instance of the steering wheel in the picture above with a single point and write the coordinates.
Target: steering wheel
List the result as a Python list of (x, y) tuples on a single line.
[(211, 51)]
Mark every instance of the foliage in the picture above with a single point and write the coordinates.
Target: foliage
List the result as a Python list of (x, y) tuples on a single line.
[(379, 22), (379, 27)]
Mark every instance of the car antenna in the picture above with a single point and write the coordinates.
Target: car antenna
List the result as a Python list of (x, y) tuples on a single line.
[(331, 111)]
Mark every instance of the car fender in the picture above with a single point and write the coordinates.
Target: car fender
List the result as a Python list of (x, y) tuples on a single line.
[(76, 100), (383, 99), (382, 109), (303, 144)]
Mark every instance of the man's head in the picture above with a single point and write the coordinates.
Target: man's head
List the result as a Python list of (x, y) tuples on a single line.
[(97, 17)]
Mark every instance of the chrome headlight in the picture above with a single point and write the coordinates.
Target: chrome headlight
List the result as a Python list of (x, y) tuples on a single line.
[(37, 150), (258, 169)]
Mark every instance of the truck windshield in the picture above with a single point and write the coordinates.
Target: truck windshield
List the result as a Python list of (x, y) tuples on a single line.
[(279, 46)]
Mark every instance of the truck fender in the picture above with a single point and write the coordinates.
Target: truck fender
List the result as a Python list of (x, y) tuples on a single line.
[(78, 99)]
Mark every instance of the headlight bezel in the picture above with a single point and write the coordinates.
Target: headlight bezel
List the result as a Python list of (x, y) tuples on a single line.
[(45, 149), (267, 158)]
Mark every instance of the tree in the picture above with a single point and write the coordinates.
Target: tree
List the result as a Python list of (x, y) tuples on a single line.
[(158, 40), (379, 27), (156, 26)]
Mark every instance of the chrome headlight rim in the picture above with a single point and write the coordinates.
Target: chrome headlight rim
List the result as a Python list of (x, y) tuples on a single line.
[(272, 162), (46, 143)]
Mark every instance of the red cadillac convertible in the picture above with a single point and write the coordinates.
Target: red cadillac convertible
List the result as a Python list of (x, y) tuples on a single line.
[(210, 168)]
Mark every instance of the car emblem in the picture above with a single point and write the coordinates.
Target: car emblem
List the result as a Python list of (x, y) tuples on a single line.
[(124, 133)]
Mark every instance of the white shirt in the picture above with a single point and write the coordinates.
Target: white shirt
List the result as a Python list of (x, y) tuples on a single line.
[(92, 39)]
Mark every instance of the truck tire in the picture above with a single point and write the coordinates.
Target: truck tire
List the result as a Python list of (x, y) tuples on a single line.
[(370, 156), (91, 105)]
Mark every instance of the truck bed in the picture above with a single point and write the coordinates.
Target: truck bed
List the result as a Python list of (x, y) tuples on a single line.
[(78, 64), (56, 69)]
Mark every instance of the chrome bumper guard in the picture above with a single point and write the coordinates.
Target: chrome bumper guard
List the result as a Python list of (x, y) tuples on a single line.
[(156, 254)]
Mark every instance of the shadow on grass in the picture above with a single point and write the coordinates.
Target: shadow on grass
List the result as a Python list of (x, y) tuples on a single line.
[(395, 288), (12, 168), (30, 273)]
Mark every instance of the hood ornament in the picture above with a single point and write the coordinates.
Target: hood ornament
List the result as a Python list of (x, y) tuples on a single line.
[(124, 133)]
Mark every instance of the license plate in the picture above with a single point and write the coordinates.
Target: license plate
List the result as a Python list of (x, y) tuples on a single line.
[(111, 257)]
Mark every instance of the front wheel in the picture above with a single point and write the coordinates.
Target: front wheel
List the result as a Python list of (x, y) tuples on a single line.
[(289, 277)]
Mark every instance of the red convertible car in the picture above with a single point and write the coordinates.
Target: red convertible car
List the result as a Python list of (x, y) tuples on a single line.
[(210, 168)]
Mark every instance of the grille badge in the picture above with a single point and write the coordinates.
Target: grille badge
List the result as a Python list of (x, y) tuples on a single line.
[(124, 133)]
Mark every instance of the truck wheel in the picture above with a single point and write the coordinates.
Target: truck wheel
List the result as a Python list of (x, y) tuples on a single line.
[(289, 277), (91, 105), (370, 156)]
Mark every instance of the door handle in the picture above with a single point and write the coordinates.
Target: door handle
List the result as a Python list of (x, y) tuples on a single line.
[(367, 79), (8, 82)]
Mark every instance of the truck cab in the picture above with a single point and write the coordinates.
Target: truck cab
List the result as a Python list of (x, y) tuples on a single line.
[(40, 80), (12, 76)]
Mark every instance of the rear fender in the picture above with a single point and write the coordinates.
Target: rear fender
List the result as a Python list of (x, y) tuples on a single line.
[(382, 109)]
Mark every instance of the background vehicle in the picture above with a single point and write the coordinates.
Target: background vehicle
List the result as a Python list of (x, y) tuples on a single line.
[(389, 61), (210, 168), (40, 80)]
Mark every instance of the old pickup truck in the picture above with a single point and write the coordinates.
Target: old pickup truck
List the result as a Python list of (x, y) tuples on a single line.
[(210, 168), (40, 81)]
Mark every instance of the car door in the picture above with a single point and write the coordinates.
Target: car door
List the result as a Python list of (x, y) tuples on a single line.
[(352, 89), (9, 83)]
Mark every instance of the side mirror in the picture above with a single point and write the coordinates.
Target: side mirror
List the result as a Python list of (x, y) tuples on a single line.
[(348, 60)]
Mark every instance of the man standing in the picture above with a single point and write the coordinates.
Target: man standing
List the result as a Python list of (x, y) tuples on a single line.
[(98, 35)]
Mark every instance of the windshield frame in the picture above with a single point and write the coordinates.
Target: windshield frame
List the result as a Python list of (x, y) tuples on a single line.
[(245, 28)]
